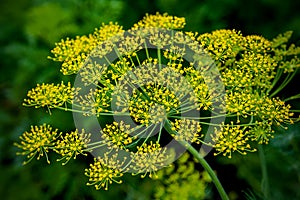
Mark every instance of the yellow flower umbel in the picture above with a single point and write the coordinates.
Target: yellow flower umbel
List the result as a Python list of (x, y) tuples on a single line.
[(51, 96), (261, 133), (187, 130), (71, 144), (73, 52), (149, 158), (161, 21), (105, 171), (117, 135), (37, 142), (231, 138)]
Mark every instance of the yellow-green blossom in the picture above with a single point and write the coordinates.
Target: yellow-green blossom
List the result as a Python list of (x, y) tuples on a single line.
[(96, 101), (161, 21), (222, 45), (37, 142), (261, 133), (51, 96), (186, 130), (231, 138), (148, 159), (73, 52), (159, 77), (117, 135), (71, 144), (104, 171)]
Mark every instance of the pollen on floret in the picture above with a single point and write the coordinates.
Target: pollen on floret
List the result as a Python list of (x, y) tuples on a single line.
[(105, 171), (37, 142)]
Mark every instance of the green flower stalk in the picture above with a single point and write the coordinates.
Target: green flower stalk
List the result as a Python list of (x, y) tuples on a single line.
[(164, 88)]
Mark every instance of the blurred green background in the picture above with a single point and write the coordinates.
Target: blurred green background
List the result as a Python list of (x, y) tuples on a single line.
[(29, 30)]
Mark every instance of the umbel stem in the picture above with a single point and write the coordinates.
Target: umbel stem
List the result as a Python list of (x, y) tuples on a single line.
[(203, 162), (209, 170)]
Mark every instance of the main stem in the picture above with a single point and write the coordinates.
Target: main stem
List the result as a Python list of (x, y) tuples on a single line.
[(207, 167), (265, 181), (203, 162)]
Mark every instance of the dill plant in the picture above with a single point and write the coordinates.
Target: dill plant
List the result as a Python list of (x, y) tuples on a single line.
[(162, 88)]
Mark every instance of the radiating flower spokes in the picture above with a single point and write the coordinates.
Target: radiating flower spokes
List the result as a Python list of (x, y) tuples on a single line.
[(71, 144), (230, 138), (105, 171), (51, 96), (148, 159), (37, 142)]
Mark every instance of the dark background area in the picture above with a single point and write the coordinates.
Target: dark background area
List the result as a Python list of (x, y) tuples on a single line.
[(29, 30)]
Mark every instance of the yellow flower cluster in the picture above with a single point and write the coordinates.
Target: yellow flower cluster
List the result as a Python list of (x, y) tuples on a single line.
[(93, 73), (149, 158), (96, 101), (222, 45), (201, 91), (107, 31), (73, 52), (43, 138), (161, 21), (117, 135), (157, 76), (274, 111), (256, 67), (147, 111), (230, 138), (261, 133), (257, 44), (37, 142), (50, 95), (71, 144), (242, 103), (187, 130), (105, 171), (154, 93)]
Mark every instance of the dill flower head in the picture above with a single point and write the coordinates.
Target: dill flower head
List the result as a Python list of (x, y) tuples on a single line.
[(161, 21), (96, 101), (50, 95), (117, 135), (73, 52), (37, 142), (154, 109), (261, 133), (187, 130), (149, 158), (274, 111), (222, 44), (105, 171), (231, 138), (71, 144)]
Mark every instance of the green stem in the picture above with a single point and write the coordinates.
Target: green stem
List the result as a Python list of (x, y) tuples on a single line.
[(265, 181), (159, 57), (276, 79), (210, 171), (297, 96), (203, 162), (286, 81)]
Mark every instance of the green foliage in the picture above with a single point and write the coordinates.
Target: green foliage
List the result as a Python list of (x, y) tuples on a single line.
[(42, 25)]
